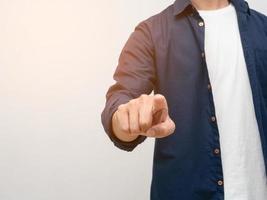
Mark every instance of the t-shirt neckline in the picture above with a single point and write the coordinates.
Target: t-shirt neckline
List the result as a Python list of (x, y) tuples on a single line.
[(223, 10)]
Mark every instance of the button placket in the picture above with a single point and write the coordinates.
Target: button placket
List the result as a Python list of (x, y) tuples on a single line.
[(215, 148)]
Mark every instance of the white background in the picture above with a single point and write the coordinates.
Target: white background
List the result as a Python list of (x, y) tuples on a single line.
[(57, 58)]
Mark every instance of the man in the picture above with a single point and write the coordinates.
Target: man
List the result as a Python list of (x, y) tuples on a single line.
[(206, 61)]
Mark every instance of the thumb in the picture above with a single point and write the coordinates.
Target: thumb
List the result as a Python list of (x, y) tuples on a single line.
[(162, 129)]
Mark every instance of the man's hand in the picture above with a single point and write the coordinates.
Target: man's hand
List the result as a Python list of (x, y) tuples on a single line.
[(145, 115)]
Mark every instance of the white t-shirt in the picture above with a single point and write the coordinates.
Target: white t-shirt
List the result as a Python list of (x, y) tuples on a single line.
[(241, 150)]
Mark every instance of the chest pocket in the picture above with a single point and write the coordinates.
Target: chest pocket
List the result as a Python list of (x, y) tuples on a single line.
[(261, 67)]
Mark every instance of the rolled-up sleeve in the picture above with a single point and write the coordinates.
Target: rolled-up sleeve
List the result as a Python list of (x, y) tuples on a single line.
[(134, 76)]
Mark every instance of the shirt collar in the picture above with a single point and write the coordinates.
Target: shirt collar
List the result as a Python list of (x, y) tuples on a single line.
[(180, 5)]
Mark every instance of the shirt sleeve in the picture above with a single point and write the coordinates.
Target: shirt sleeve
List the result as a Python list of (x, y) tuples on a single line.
[(134, 76)]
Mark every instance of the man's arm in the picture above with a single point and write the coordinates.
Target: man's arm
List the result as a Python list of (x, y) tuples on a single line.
[(134, 76)]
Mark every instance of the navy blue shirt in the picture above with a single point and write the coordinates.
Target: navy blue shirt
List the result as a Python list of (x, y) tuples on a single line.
[(166, 54)]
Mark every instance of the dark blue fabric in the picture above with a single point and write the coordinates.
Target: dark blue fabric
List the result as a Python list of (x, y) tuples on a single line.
[(165, 54)]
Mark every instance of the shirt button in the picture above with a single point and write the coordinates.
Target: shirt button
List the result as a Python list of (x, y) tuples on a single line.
[(213, 119), (203, 55), (220, 182), (209, 86), (201, 23), (216, 151)]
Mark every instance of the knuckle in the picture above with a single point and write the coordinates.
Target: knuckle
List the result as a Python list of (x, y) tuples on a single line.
[(121, 107), (134, 105), (132, 102), (143, 96)]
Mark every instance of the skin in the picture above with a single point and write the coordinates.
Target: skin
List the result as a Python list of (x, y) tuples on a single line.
[(148, 114), (209, 4)]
